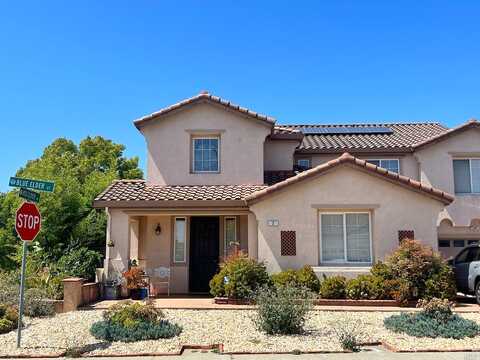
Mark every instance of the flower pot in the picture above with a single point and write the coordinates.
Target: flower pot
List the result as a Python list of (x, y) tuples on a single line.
[(135, 294), (111, 292)]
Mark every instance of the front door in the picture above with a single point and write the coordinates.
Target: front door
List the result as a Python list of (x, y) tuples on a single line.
[(204, 251)]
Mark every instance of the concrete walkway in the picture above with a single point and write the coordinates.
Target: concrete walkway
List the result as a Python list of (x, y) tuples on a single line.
[(208, 304)]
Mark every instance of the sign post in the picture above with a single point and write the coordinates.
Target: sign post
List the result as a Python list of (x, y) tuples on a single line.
[(27, 224)]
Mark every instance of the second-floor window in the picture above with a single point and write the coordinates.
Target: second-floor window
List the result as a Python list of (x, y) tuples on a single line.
[(466, 176), (205, 154), (389, 164), (304, 163)]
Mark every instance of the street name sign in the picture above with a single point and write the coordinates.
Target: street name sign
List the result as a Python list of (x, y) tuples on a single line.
[(40, 185), (29, 195)]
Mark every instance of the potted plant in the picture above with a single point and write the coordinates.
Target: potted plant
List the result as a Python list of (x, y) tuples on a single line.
[(111, 289), (136, 283)]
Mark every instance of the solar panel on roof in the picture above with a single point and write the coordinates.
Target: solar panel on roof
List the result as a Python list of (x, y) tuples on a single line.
[(347, 130)]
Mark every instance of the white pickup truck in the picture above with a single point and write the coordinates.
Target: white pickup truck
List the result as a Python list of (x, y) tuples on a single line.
[(466, 266)]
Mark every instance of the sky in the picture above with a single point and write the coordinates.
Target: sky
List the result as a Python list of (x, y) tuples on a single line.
[(77, 68)]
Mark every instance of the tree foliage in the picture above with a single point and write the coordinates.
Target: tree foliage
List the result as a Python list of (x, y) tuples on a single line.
[(80, 173)]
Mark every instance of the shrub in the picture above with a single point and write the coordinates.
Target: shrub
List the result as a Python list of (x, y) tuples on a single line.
[(333, 287), (441, 285), (239, 277), (417, 272), (437, 308), (8, 318), (435, 320), (80, 262), (127, 313), (282, 310), (304, 277), (348, 336), (366, 287), (37, 304), (128, 322)]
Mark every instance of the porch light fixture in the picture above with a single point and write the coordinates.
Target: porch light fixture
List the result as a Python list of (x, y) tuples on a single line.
[(158, 230)]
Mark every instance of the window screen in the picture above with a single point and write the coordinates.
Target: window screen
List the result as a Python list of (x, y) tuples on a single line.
[(332, 238)]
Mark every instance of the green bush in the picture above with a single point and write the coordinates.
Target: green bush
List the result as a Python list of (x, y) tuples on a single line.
[(333, 287), (415, 271), (128, 322), (239, 277), (282, 310), (141, 331), (435, 320), (37, 304), (8, 318), (304, 277), (441, 285), (80, 262), (366, 287), (423, 325)]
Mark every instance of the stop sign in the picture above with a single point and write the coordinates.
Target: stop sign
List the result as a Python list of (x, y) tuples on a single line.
[(28, 221)]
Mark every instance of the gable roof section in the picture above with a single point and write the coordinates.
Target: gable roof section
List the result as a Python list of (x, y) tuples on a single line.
[(139, 193), (204, 97), (403, 138), (470, 124), (346, 158)]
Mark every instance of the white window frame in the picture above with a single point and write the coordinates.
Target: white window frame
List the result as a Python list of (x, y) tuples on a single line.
[(471, 174), (192, 145), (225, 245), (383, 159), (175, 240), (344, 213), (304, 159)]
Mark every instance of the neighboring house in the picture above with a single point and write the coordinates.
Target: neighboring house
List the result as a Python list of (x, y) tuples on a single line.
[(337, 197)]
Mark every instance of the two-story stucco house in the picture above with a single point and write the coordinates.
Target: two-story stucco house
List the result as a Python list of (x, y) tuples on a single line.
[(337, 197)]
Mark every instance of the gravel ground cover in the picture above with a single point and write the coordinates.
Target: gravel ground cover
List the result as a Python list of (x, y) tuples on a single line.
[(233, 328)]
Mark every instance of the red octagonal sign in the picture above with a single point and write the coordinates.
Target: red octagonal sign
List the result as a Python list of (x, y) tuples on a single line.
[(28, 221)]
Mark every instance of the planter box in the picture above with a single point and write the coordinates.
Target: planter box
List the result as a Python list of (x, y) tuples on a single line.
[(57, 305), (111, 292), (349, 302), (229, 301)]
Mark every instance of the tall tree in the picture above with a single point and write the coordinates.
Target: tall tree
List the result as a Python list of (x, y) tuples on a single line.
[(80, 173)]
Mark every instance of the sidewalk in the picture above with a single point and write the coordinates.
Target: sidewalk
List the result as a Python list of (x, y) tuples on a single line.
[(370, 355)]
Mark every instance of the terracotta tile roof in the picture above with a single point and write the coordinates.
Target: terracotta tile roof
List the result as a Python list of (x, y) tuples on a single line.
[(130, 192), (202, 97), (403, 138), (346, 158), (470, 124), (286, 133)]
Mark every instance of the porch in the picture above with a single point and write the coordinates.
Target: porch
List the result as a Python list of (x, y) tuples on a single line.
[(189, 243)]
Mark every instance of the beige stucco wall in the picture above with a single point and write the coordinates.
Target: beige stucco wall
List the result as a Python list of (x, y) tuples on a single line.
[(279, 154), (408, 163), (241, 146), (392, 208), (436, 163)]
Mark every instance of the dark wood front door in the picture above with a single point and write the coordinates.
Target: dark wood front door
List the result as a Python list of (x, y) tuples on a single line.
[(204, 251)]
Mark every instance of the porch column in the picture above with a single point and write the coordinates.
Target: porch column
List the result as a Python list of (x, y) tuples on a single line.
[(118, 243), (252, 236)]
